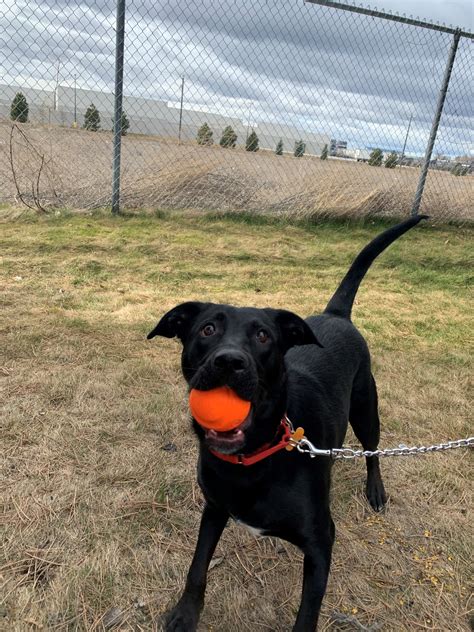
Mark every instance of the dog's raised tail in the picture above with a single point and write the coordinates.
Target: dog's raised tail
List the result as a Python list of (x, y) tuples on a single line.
[(343, 298)]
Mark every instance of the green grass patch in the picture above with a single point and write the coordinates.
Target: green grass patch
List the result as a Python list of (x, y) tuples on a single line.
[(90, 403)]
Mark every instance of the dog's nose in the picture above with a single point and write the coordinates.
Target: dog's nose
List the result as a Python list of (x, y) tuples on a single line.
[(230, 360)]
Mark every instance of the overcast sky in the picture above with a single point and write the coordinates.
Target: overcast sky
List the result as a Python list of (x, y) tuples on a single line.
[(350, 76)]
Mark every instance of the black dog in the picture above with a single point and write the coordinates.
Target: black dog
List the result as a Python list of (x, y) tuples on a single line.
[(317, 372)]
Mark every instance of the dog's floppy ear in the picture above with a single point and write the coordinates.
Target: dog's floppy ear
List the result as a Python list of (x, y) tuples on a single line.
[(177, 321), (293, 329)]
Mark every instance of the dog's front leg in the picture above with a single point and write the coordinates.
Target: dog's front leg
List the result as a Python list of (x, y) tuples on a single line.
[(185, 615), (317, 561)]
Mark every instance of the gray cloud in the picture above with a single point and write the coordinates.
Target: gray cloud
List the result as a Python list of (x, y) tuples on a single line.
[(317, 68)]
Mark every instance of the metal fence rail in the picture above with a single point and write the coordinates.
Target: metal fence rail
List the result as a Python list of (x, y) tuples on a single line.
[(334, 109)]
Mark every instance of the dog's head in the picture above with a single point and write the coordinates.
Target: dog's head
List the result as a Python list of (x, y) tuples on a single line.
[(243, 348)]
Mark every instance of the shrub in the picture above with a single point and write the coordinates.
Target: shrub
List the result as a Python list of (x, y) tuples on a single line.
[(251, 143), (391, 160), (92, 118), (459, 170), (324, 153), (279, 148), (375, 158), (229, 137), (124, 124), (204, 135), (300, 147), (19, 108)]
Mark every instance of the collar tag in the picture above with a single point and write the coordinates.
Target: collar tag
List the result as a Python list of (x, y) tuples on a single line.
[(295, 437)]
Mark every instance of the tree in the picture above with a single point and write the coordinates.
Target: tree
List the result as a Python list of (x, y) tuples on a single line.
[(229, 137), (375, 158), (204, 135), (459, 170), (324, 153), (92, 118), (124, 124), (251, 144), (392, 160), (19, 108), (279, 148), (300, 147)]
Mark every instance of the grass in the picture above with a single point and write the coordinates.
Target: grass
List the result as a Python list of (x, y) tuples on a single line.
[(74, 170), (100, 522)]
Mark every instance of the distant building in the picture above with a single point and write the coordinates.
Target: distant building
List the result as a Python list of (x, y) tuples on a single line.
[(337, 147), (67, 105), (361, 155)]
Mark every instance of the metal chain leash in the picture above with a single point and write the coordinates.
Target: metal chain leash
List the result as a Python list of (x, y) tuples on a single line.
[(305, 446)]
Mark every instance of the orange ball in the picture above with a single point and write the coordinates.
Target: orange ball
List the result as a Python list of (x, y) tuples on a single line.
[(218, 409)]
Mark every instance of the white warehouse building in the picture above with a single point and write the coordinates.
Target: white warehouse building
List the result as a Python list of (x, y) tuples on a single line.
[(65, 105)]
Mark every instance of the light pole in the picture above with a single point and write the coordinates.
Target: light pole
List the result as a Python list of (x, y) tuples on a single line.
[(248, 122), (406, 138), (55, 96), (75, 103), (181, 110)]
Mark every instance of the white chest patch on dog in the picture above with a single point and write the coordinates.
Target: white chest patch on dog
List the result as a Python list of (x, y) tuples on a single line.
[(253, 530)]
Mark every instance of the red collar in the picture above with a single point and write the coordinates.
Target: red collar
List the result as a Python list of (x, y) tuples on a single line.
[(284, 429)]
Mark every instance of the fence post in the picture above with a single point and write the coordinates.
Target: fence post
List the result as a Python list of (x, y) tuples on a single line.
[(435, 124), (119, 44)]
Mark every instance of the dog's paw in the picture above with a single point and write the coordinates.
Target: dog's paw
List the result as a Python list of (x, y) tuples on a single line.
[(375, 493), (183, 618)]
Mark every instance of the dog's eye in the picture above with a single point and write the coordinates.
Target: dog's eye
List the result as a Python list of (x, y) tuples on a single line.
[(208, 330), (262, 336)]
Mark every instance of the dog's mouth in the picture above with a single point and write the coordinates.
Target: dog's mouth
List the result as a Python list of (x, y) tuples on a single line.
[(244, 384), (229, 441)]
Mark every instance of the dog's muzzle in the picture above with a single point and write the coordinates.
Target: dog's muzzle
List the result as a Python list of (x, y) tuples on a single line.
[(228, 367)]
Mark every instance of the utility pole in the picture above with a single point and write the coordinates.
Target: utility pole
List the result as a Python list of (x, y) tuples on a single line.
[(55, 94), (75, 103), (181, 110), (248, 122), (406, 138)]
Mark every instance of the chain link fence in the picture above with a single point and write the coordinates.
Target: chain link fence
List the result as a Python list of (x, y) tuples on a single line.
[(305, 109)]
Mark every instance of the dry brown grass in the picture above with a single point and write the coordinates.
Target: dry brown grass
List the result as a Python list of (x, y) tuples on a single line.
[(159, 173), (100, 522)]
